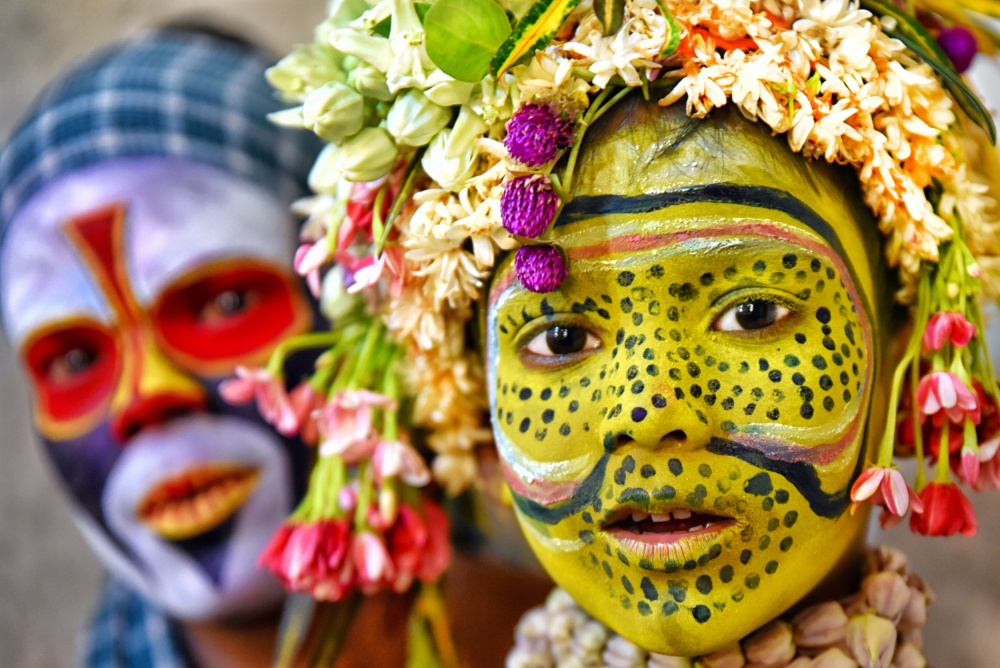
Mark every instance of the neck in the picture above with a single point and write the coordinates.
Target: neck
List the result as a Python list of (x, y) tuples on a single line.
[(232, 644)]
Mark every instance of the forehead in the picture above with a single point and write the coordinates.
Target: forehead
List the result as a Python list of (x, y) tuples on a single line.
[(178, 215)]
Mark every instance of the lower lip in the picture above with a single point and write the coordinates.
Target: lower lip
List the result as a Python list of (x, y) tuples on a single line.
[(211, 495), (660, 548)]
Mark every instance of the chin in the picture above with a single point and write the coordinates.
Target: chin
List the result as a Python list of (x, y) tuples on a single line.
[(188, 508)]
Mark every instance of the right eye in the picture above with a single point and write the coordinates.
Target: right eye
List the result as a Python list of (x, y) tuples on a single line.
[(562, 340)]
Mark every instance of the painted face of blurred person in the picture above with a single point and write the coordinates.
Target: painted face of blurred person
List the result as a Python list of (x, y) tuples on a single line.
[(146, 254)]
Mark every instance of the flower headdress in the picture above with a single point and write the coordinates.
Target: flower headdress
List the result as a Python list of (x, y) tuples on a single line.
[(453, 129)]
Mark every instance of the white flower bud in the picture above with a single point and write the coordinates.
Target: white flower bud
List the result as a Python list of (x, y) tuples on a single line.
[(326, 172), (771, 646), (443, 90), (370, 82), (450, 173), (334, 111), (335, 302), (468, 126), (305, 69), (368, 155), (414, 120)]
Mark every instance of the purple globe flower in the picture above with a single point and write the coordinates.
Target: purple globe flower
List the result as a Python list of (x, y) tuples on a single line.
[(528, 205), (537, 132), (540, 268), (959, 44)]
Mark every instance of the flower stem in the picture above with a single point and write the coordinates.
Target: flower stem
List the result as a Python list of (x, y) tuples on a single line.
[(275, 364), (944, 453)]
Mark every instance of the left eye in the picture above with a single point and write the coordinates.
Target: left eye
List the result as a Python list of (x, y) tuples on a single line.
[(750, 315), (562, 340), (226, 304)]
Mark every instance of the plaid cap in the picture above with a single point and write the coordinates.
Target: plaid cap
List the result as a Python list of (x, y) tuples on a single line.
[(167, 93)]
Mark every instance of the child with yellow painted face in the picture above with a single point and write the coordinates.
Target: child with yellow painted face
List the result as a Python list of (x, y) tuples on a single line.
[(690, 365)]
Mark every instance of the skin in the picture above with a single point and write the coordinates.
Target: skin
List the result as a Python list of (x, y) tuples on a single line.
[(667, 406)]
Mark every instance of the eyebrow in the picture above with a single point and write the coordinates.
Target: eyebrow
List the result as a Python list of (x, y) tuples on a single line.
[(761, 197)]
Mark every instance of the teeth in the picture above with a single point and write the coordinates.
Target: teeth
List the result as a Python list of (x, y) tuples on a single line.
[(660, 518), (698, 527), (639, 516), (681, 514)]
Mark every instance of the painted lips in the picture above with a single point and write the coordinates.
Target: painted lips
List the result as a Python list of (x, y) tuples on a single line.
[(677, 534), (197, 499)]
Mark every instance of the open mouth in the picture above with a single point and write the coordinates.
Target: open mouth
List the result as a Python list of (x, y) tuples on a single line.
[(668, 535), (197, 499)]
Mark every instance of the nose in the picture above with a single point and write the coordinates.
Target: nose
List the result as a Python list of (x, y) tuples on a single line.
[(151, 392), (659, 420)]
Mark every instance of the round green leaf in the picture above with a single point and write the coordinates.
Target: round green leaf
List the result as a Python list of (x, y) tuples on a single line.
[(462, 36)]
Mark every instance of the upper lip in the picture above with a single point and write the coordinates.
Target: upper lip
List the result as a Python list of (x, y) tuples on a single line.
[(197, 499)]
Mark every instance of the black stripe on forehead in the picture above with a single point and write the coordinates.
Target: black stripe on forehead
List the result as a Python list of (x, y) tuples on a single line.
[(761, 197)]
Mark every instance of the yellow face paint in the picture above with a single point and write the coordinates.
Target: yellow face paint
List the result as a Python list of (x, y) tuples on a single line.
[(681, 421)]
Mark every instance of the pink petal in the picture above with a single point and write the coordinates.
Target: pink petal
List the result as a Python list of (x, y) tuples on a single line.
[(867, 483), (962, 330), (896, 492), (944, 388), (970, 466), (937, 332)]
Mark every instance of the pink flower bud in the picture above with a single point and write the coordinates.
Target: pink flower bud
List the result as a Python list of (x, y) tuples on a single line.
[(943, 391), (887, 594), (908, 656), (833, 658), (821, 625), (773, 646), (730, 657), (947, 325)]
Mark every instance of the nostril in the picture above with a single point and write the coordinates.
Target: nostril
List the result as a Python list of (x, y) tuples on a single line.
[(675, 437), (623, 439)]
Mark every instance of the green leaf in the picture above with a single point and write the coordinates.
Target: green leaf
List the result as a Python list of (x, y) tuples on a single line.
[(534, 31), (673, 39), (611, 14), (919, 41), (462, 36)]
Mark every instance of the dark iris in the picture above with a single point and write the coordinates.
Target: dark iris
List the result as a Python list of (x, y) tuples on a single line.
[(71, 363), (230, 302), (563, 340), (756, 314)]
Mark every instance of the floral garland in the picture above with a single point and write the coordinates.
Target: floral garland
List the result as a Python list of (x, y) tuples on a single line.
[(452, 137), (880, 625)]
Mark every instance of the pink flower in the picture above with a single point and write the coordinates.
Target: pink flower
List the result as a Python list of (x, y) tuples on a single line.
[(946, 512), (269, 393), (306, 402), (309, 259), (312, 557), (437, 554), (885, 487), (941, 394), (989, 472), (419, 544), (395, 459), (407, 540), (374, 567), (944, 326), (346, 424)]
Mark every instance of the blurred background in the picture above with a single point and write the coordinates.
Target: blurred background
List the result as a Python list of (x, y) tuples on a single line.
[(48, 578)]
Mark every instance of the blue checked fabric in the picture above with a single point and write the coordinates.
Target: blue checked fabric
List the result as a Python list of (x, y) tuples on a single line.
[(128, 632), (167, 93)]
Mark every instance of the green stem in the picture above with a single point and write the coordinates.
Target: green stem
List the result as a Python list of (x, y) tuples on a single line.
[(361, 366), (918, 432), (941, 474), (365, 487), (336, 631), (275, 363)]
